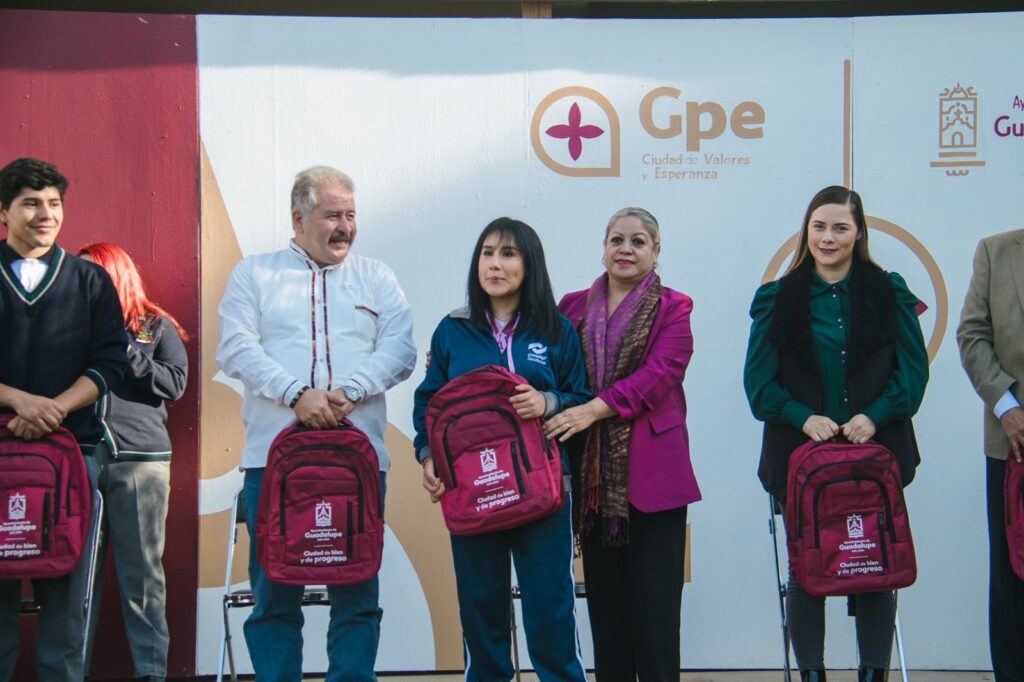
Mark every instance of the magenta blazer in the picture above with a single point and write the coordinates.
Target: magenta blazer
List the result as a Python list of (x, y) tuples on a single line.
[(660, 473)]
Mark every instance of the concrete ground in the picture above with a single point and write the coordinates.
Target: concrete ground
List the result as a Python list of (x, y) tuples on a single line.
[(746, 676)]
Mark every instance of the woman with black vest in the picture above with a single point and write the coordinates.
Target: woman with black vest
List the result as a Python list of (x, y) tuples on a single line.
[(835, 350)]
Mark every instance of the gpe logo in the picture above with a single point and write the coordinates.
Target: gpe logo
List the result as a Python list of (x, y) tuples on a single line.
[(575, 130)]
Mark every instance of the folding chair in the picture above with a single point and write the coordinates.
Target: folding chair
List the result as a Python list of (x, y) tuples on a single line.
[(91, 554), (244, 598), (775, 510)]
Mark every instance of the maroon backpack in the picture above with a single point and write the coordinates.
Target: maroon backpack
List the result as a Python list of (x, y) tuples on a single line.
[(1014, 496), (45, 504), (498, 470), (847, 527), (319, 520)]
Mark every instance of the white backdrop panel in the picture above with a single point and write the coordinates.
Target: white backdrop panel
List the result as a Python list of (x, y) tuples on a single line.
[(432, 118)]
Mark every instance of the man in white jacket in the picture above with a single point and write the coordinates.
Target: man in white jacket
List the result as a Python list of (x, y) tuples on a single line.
[(314, 333)]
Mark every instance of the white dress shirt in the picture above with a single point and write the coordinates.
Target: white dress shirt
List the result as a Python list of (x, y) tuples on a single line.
[(29, 271), (1006, 403), (286, 323)]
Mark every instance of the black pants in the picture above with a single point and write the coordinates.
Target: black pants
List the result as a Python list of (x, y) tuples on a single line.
[(634, 596), (875, 623), (1006, 590)]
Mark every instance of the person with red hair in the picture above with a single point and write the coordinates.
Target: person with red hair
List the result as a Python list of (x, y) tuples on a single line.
[(135, 477)]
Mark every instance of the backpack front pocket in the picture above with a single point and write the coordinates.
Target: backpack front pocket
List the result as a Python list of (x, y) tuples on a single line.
[(852, 536), (320, 517), (26, 520), (492, 477)]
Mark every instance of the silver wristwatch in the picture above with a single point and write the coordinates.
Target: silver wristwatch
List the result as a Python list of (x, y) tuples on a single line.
[(353, 393)]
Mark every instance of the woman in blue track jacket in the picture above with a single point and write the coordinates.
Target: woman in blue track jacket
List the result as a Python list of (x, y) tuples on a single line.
[(512, 321)]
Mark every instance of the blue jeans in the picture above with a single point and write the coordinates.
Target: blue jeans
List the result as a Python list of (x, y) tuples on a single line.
[(273, 631)]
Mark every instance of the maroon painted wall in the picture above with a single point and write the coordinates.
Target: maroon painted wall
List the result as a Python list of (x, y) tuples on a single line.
[(112, 100)]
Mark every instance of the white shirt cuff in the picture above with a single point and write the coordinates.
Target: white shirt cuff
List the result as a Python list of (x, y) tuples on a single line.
[(1005, 404), (289, 394)]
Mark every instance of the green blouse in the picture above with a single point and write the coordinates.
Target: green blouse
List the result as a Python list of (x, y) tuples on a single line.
[(830, 314)]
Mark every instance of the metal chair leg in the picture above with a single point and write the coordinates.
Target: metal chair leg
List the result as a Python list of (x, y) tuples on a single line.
[(899, 648), (781, 586), (92, 557), (514, 628), (225, 631), (227, 645)]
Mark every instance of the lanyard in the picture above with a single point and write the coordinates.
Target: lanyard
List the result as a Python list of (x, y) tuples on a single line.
[(503, 337)]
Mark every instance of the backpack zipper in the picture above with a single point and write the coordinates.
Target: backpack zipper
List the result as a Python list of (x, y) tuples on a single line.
[(46, 521), (515, 467), (881, 539), (810, 475), (56, 478), (881, 488), (348, 537), (453, 420), (284, 483)]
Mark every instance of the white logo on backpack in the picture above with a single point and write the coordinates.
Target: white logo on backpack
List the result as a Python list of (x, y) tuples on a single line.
[(855, 526), (323, 514), (488, 460), (16, 507)]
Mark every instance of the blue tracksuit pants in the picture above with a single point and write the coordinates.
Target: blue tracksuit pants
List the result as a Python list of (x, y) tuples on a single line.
[(543, 555)]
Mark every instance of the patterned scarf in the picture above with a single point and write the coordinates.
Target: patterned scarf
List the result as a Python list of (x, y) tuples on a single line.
[(612, 347)]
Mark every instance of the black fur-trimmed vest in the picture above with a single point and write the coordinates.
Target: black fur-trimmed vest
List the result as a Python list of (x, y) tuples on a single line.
[(871, 360)]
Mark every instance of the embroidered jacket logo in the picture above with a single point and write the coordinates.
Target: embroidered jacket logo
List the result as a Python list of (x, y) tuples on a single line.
[(855, 526), (538, 353), (323, 514), (488, 459), (16, 507)]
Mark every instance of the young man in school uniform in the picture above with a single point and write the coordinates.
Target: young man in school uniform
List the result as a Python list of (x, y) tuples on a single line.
[(62, 346)]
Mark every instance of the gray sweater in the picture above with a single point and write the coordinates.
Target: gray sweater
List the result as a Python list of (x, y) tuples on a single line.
[(134, 414)]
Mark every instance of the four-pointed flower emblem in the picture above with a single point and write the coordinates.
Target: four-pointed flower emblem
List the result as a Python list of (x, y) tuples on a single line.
[(574, 132)]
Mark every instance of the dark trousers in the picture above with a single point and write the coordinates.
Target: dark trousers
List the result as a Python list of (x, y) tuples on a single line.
[(542, 552), (875, 622), (1006, 590), (634, 596)]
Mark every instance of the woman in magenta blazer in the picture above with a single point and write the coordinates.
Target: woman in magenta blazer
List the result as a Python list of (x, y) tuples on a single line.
[(632, 468)]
